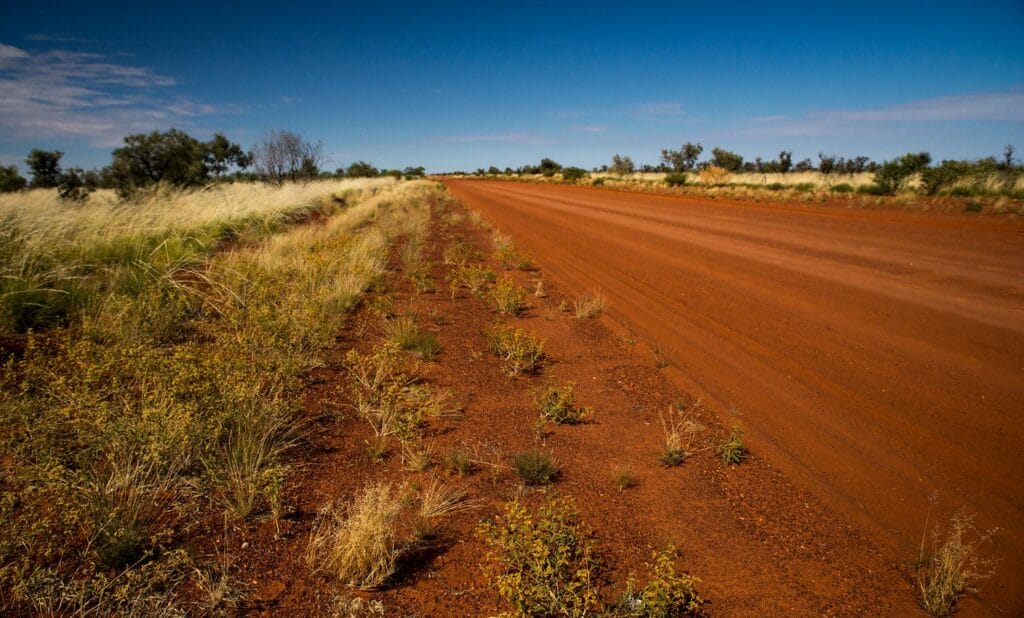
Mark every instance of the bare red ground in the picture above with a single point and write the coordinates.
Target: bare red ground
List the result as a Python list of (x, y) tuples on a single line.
[(874, 357)]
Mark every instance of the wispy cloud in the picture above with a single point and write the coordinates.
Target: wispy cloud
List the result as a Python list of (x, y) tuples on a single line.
[(662, 108), (590, 128), (61, 94), (521, 138), (58, 38), (990, 107)]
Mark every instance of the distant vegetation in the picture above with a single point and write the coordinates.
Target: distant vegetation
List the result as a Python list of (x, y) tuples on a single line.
[(174, 158), (910, 173)]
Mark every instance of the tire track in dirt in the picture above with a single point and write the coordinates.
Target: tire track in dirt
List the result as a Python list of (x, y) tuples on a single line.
[(874, 356)]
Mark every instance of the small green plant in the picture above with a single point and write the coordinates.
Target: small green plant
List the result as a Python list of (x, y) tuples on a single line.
[(511, 259), (666, 594), (535, 467), (588, 306), (509, 297), (519, 350), (625, 478), (804, 187), (675, 179), (949, 570), (542, 563), (557, 405), (458, 462), (597, 182), (731, 449), (843, 187), (421, 279)]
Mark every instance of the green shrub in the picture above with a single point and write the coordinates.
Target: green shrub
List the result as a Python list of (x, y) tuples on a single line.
[(893, 175), (972, 207), (474, 278), (731, 449), (843, 188), (666, 594), (557, 405), (573, 174), (775, 186), (509, 297), (675, 179), (804, 187), (597, 182), (542, 563), (872, 189), (520, 351)]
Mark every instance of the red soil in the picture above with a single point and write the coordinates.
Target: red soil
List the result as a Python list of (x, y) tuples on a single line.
[(873, 357)]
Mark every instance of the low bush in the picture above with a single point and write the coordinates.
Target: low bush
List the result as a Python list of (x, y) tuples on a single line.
[(519, 350), (872, 189), (542, 563), (625, 478), (558, 406), (512, 259), (459, 253), (573, 174), (843, 187), (476, 279), (804, 187), (675, 179), (509, 297), (597, 182), (666, 594)]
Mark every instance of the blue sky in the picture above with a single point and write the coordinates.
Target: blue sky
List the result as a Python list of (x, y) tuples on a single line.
[(467, 85)]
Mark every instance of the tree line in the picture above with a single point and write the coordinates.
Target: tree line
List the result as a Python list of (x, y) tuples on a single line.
[(177, 159), (889, 176)]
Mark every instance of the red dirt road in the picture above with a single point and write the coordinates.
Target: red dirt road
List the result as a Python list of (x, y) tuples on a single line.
[(875, 357)]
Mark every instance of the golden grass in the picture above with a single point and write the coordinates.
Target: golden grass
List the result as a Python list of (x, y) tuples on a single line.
[(358, 543)]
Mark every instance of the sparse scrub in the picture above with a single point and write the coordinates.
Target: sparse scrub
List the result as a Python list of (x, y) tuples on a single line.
[(557, 405), (511, 259), (476, 279), (520, 351), (251, 458), (458, 462), (588, 306), (534, 467), (358, 543), (459, 253), (680, 430), (949, 568), (509, 297), (542, 563)]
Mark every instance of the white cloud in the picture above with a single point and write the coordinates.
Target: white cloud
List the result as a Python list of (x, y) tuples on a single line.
[(990, 107), (591, 128), (60, 94)]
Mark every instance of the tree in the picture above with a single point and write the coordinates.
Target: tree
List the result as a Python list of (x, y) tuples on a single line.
[(74, 185), (221, 153), (10, 179), (362, 169), (804, 166), (726, 160), (827, 163), (622, 165), (1008, 156), (683, 159), (173, 157), (785, 161), (418, 172), (45, 167), (283, 155), (893, 175), (548, 167)]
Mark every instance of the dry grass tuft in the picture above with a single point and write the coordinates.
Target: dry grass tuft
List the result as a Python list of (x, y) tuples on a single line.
[(358, 543), (589, 306), (950, 568)]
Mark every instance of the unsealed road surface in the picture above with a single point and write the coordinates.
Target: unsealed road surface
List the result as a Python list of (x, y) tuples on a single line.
[(876, 357)]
